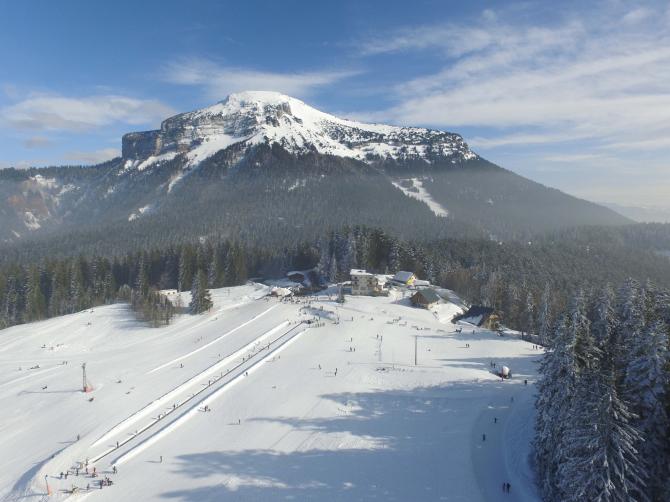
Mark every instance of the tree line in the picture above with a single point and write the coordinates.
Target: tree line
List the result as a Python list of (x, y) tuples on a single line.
[(527, 283)]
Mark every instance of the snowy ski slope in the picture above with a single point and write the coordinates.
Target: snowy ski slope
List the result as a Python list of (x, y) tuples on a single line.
[(327, 410)]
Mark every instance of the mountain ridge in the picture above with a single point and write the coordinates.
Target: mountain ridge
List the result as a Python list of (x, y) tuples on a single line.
[(255, 117)]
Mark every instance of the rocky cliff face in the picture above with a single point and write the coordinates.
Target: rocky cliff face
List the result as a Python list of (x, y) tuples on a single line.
[(268, 117)]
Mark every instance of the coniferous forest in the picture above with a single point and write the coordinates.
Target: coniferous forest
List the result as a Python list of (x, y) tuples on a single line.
[(602, 428)]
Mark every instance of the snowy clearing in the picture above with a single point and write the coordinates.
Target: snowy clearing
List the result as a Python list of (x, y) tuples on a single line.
[(421, 194), (264, 400)]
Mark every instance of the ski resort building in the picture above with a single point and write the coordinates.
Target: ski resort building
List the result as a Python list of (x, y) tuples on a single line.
[(480, 316), (364, 283), (425, 298), (404, 278)]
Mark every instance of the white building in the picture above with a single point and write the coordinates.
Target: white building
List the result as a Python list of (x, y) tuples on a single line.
[(364, 283)]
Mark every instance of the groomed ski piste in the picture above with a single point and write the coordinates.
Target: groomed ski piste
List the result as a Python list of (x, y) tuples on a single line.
[(262, 399)]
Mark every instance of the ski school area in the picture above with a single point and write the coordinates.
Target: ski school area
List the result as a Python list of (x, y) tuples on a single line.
[(266, 398)]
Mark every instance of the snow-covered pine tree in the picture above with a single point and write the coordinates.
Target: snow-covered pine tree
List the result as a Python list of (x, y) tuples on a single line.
[(332, 273), (529, 313), (394, 256), (601, 462), (544, 317), (647, 382), (201, 299), (35, 308), (555, 393), (323, 266)]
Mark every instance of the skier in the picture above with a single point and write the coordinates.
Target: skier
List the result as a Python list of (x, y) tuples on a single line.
[(335, 371), (161, 459), (495, 420), (525, 382), (117, 444), (319, 366), (114, 470), (181, 365), (483, 437)]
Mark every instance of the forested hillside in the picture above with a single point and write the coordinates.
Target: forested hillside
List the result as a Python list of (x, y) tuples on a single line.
[(520, 280)]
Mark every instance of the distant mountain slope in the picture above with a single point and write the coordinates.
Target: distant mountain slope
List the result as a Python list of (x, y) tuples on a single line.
[(643, 214), (262, 165)]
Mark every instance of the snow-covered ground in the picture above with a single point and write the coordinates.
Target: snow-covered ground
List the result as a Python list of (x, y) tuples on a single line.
[(331, 410), (418, 192)]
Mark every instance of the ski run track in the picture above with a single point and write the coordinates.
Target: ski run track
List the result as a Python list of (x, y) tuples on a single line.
[(261, 399)]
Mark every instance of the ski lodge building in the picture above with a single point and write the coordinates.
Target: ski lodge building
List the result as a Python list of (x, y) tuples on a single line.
[(364, 283)]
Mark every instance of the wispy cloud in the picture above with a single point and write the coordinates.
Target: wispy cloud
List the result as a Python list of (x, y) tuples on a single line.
[(61, 113), (219, 81), (94, 157), (601, 76), (36, 142)]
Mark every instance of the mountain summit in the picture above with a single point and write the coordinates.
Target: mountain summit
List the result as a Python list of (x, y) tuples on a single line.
[(257, 117)]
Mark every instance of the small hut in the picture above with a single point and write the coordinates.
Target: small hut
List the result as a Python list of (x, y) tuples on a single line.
[(425, 298)]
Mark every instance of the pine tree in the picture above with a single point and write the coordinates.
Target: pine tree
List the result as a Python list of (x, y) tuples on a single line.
[(555, 393), (647, 382), (544, 317), (529, 313), (201, 299), (332, 273), (35, 308), (601, 463)]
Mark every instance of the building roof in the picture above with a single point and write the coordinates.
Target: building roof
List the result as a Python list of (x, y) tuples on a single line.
[(429, 295), (355, 271), (476, 312), (403, 276)]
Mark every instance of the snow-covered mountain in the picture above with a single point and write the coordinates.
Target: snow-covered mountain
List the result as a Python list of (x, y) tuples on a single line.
[(257, 117), (263, 165)]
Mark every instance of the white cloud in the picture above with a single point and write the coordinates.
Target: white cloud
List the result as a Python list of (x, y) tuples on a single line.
[(637, 15), (55, 112), (595, 77), (219, 81), (94, 157), (37, 142)]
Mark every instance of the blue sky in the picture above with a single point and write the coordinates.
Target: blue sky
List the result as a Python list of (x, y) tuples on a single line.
[(576, 96)]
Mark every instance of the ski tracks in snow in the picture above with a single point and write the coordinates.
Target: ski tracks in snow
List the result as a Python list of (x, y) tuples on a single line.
[(241, 374), (209, 344)]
